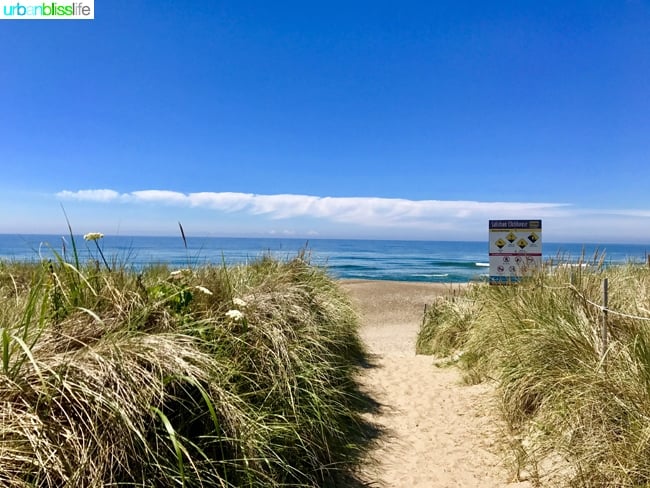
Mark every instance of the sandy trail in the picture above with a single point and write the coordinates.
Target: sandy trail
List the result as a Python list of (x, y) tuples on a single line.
[(439, 432)]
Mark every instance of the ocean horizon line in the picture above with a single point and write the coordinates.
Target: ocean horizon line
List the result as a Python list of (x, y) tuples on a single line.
[(317, 238)]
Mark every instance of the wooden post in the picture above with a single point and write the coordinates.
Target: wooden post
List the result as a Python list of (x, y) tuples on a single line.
[(603, 327)]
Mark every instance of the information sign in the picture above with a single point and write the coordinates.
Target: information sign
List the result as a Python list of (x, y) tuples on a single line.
[(515, 249)]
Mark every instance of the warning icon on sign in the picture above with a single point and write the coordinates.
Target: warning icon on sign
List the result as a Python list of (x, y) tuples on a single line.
[(500, 243), (533, 237), (522, 243), (511, 237)]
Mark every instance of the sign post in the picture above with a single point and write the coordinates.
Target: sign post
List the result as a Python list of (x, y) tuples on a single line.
[(515, 249)]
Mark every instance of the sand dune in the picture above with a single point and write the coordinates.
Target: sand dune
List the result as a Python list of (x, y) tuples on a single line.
[(439, 432)]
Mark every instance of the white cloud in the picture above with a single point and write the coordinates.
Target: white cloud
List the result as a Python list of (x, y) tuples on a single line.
[(157, 196), (370, 211), (390, 217), (226, 201), (89, 195)]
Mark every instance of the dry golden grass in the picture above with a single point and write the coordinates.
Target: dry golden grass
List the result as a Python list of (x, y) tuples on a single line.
[(212, 376), (578, 411)]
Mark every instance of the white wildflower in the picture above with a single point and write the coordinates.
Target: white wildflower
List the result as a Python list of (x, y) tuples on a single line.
[(238, 302), (93, 236), (203, 289), (235, 315), (179, 273)]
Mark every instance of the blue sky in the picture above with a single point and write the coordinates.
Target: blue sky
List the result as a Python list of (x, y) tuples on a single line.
[(412, 119)]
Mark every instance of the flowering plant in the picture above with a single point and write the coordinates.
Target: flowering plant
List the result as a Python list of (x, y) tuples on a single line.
[(235, 315), (95, 237)]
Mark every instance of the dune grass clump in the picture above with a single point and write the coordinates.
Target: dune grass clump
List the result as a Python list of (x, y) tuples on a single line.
[(445, 326), (577, 409), (212, 376)]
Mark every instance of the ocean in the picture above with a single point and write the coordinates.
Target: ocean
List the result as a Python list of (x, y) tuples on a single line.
[(427, 261)]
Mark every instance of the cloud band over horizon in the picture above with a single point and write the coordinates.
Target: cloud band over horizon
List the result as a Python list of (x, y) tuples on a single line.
[(361, 217), (369, 211)]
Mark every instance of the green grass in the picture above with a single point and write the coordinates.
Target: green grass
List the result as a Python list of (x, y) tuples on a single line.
[(112, 377), (577, 413)]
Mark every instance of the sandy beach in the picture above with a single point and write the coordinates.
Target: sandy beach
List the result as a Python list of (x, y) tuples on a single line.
[(439, 432)]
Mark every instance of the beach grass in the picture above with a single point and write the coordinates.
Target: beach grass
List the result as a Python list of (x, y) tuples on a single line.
[(576, 408), (238, 376)]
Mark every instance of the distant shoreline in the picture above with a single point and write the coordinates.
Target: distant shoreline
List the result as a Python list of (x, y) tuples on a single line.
[(381, 287)]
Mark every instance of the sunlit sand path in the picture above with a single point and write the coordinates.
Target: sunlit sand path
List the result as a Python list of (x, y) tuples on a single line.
[(438, 431)]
